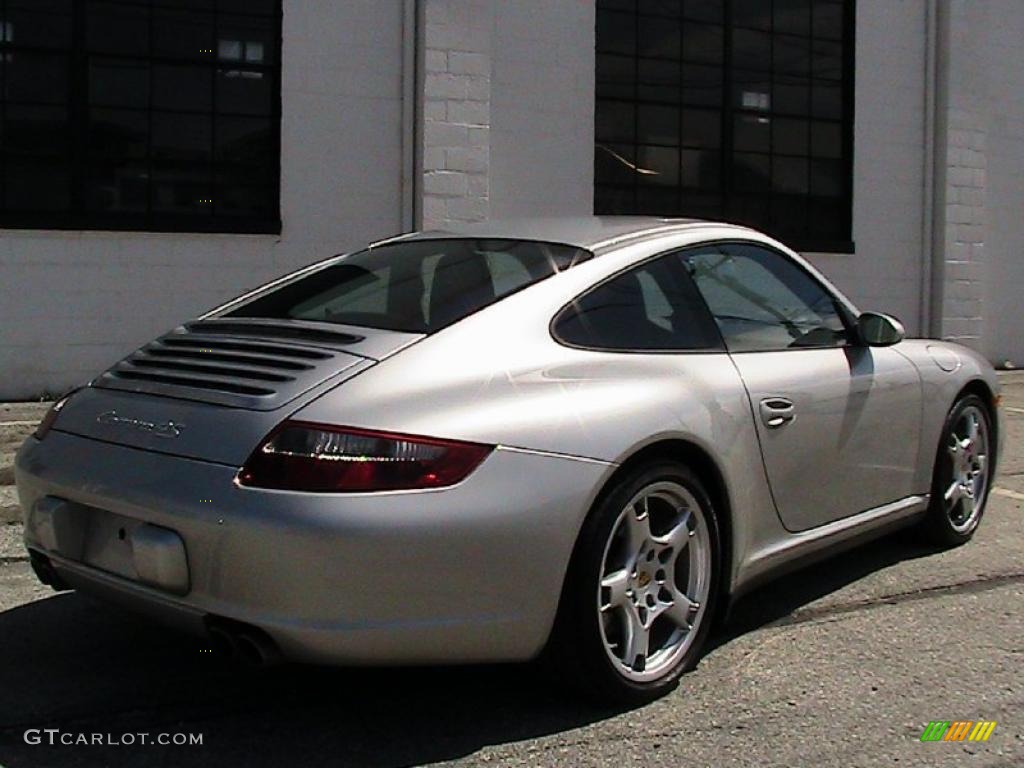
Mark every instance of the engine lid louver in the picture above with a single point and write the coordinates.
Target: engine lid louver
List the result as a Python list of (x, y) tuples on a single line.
[(255, 364)]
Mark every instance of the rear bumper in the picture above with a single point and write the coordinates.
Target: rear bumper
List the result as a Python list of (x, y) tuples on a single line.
[(468, 573)]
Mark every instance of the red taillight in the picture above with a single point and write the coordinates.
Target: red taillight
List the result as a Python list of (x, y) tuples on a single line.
[(299, 456)]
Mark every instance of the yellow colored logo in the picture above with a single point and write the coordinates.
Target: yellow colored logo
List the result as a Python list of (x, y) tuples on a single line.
[(958, 730)]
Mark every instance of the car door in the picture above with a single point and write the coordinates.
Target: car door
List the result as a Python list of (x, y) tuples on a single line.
[(838, 422)]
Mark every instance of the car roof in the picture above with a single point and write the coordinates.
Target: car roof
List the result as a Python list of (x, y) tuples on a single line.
[(590, 232)]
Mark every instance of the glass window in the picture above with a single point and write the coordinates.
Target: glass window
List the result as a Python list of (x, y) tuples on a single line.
[(419, 286), (762, 301), (651, 308), (140, 114), (763, 89)]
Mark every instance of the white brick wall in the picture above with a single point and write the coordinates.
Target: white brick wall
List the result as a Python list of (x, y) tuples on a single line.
[(456, 37)]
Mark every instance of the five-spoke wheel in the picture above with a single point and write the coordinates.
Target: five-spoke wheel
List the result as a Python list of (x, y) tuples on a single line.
[(655, 577), (963, 470), (641, 587)]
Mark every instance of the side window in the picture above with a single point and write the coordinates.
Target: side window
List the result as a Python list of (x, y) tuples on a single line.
[(762, 301), (652, 307)]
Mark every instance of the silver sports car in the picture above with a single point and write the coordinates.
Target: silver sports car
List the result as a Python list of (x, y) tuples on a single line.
[(574, 439)]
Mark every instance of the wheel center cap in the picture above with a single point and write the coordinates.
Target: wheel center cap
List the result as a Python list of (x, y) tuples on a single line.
[(644, 579)]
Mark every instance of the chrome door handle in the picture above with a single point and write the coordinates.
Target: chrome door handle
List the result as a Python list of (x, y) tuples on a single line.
[(777, 412)]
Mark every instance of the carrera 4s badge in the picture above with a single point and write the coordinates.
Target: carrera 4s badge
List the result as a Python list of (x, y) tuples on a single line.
[(168, 429)]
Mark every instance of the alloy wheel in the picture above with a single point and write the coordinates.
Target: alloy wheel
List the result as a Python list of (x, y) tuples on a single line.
[(967, 447), (655, 580)]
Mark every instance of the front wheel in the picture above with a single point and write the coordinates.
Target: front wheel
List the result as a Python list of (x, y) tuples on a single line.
[(638, 599), (962, 474)]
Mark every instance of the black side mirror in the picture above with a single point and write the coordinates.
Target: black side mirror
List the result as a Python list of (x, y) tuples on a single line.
[(878, 330)]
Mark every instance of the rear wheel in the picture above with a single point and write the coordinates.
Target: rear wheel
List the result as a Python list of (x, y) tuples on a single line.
[(639, 596), (962, 474)]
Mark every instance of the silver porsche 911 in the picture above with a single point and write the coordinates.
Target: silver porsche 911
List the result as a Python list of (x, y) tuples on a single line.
[(575, 439)]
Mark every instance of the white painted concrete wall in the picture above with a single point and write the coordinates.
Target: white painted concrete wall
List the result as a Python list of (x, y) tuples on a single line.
[(1003, 331), (542, 103), (71, 303)]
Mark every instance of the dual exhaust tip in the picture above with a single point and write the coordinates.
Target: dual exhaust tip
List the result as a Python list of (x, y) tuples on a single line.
[(243, 642)]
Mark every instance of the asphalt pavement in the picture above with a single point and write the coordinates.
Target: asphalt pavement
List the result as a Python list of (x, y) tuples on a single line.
[(840, 664)]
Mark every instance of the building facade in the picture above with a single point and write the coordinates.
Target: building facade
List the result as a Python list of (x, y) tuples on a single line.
[(160, 156)]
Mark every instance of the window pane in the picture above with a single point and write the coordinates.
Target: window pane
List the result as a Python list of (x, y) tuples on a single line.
[(828, 19), (790, 137), (616, 76), (610, 200), (37, 184), (117, 185), (755, 14), (251, 40), (752, 91), (658, 80), (791, 55), (657, 125), (616, 32), (703, 43), (120, 133), (700, 169), (28, 27), (762, 301), (616, 121), (702, 85), (827, 100), (751, 172), (36, 130), (704, 10), (658, 165), (243, 91), (183, 34), (657, 201), (117, 28), (827, 177), (264, 7), (185, 88), (791, 96), (659, 37), (614, 163), (752, 132), (245, 140), (179, 191), (119, 82), (752, 50), (36, 78), (650, 308), (792, 16), (827, 60), (702, 128), (826, 140), (789, 175), (185, 141)]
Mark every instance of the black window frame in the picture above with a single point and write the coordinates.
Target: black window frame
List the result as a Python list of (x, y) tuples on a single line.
[(724, 198), (79, 215)]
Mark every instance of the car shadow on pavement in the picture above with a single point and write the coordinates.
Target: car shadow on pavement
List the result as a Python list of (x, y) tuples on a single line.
[(85, 668)]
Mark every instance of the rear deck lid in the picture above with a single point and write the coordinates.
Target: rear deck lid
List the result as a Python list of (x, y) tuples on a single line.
[(211, 389)]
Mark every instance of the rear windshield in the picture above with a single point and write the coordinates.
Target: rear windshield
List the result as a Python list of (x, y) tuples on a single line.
[(418, 286)]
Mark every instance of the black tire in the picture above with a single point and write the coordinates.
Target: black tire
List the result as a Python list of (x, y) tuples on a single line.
[(577, 651), (939, 527)]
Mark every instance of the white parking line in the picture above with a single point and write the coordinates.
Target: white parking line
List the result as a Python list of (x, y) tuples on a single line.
[(1012, 409), (19, 423), (1008, 493)]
